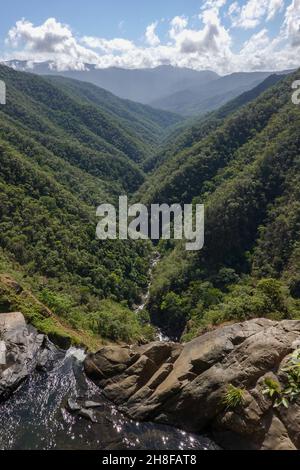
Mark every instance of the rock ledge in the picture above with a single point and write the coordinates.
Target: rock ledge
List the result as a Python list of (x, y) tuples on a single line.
[(185, 385)]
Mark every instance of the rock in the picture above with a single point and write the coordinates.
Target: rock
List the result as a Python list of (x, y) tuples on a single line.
[(109, 361), (92, 404), (11, 321), (72, 405), (185, 385), (88, 414), (24, 348)]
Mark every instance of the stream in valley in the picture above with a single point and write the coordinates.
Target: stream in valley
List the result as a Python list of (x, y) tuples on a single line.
[(145, 297), (36, 416)]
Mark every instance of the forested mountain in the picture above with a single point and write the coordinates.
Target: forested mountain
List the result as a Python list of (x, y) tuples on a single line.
[(246, 170), (201, 98), (148, 124), (141, 85), (179, 90), (67, 146), (185, 134), (64, 150)]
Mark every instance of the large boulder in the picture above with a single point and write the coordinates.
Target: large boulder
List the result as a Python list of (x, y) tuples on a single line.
[(186, 385), (22, 350)]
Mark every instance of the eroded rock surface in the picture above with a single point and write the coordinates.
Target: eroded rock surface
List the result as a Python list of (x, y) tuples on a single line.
[(22, 351), (185, 385)]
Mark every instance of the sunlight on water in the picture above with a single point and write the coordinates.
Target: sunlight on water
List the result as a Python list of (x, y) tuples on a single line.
[(36, 416)]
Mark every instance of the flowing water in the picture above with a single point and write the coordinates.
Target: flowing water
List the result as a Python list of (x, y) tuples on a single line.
[(35, 416), (145, 298), (153, 263)]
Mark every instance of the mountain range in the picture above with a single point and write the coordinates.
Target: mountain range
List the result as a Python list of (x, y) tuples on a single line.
[(179, 90), (66, 146)]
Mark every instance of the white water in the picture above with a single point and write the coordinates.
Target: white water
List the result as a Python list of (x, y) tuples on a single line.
[(145, 298), (153, 263), (36, 417)]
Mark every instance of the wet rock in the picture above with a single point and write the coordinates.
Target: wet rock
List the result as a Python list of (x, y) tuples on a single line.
[(72, 405), (185, 386), (92, 404), (22, 351), (88, 414)]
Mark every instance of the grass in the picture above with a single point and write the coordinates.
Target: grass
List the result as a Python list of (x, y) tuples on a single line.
[(234, 397)]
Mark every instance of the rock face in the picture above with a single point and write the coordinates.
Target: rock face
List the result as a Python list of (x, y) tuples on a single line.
[(22, 350), (185, 385)]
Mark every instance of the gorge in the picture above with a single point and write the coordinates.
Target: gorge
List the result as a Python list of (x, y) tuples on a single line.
[(234, 307)]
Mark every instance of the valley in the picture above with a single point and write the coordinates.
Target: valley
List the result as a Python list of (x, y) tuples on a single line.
[(67, 147), (88, 147)]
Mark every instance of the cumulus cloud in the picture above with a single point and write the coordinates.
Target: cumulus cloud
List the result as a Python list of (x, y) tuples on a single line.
[(51, 40), (292, 23), (177, 24), (253, 12), (209, 44), (105, 45), (212, 38), (151, 37)]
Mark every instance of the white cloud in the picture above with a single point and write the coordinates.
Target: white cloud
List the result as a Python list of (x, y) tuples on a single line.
[(178, 24), (254, 12), (213, 4), (292, 23), (212, 40), (52, 41), (206, 46), (105, 45), (273, 8), (151, 37)]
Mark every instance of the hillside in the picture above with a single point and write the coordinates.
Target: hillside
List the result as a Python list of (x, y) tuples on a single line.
[(186, 133), (200, 98), (140, 85), (149, 124), (60, 158), (67, 146), (246, 171)]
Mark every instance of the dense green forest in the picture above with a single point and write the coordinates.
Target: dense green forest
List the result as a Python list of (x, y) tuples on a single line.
[(245, 170), (68, 146), (64, 150)]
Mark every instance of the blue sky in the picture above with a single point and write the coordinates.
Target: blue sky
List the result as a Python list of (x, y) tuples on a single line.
[(223, 35)]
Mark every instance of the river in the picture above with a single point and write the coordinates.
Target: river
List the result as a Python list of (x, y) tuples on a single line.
[(36, 416)]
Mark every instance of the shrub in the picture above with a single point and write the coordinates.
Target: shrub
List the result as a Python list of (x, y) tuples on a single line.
[(234, 397)]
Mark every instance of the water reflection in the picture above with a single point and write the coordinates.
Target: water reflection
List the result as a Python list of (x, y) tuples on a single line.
[(36, 416)]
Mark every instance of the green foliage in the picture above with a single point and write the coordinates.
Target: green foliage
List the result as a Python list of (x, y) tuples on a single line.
[(234, 397), (272, 388), (117, 323), (61, 156), (246, 170), (288, 394), (66, 147)]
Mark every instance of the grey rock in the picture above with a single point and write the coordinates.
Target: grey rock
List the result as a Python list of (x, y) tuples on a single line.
[(88, 414), (185, 385), (24, 349), (72, 405)]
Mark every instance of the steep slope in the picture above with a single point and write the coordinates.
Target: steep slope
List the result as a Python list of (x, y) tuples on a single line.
[(185, 134), (140, 85), (148, 123), (247, 173), (199, 99), (60, 159)]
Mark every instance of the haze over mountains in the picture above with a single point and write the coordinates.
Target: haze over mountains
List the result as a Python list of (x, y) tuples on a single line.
[(66, 146), (180, 90)]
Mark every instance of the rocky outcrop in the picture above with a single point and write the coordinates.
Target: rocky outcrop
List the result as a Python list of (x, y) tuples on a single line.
[(22, 351), (185, 385)]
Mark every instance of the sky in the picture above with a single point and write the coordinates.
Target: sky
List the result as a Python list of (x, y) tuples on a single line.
[(221, 35)]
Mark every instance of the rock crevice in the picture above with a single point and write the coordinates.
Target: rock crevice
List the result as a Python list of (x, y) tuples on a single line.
[(185, 385)]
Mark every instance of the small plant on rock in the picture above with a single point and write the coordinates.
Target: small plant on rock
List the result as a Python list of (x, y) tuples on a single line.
[(234, 397), (272, 388), (289, 394)]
